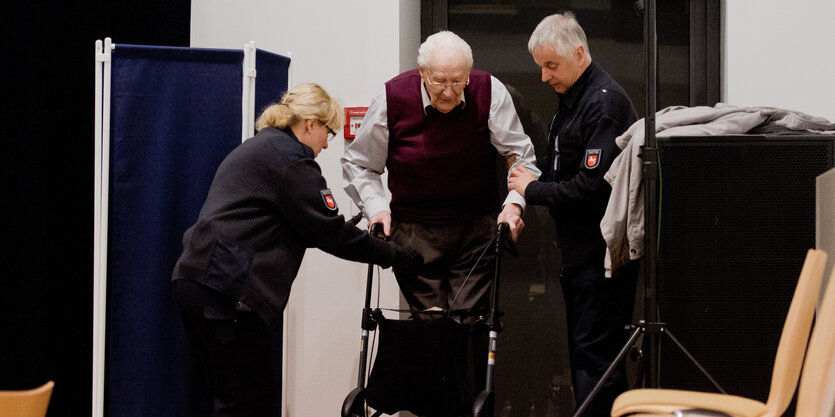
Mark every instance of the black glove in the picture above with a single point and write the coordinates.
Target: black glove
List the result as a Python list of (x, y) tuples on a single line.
[(407, 261)]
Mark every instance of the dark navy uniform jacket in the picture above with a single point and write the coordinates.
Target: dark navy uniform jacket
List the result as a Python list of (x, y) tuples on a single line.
[(581, 148), (267, 203)]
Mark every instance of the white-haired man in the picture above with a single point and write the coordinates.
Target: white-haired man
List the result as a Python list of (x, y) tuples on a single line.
[(437, 130), (593, 110)]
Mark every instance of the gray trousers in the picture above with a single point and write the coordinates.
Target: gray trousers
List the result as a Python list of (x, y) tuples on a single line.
[(449, 254)]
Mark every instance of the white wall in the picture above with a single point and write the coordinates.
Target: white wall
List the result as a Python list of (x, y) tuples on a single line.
[(780, 54), (350, 48)]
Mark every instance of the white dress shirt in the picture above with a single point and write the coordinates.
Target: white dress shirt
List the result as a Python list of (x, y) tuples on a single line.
[(365, 158)]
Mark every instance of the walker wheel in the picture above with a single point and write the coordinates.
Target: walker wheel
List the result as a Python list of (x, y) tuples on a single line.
[(483, 404), (353, 404)]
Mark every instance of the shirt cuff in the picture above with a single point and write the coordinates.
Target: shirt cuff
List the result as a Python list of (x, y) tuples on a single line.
[(514, 197), (374, 206)]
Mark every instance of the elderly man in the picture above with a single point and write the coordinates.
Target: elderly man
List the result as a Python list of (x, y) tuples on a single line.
[(593, 110), (438, 130)]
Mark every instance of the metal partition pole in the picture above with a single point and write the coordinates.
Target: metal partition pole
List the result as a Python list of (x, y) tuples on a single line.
[(101, 184), (248, 92), (96, 225)]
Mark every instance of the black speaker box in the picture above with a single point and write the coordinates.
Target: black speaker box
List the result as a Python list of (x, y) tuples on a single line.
[(736, 217)]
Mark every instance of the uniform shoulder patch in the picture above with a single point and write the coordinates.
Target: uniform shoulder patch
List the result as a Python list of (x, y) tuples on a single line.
[(592, 159), (327, 198)]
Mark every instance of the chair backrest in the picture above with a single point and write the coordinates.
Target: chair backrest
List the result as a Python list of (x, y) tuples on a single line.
[(26, 403), (795, 336), (816, 396)]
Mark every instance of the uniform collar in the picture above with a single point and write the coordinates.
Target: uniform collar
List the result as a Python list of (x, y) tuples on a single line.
[(427, 102), (569, 98), (289, 132)]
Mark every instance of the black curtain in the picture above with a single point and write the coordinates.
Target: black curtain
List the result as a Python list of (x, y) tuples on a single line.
[(47, 172)]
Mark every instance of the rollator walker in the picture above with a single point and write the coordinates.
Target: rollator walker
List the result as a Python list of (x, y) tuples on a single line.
[(421, 363)]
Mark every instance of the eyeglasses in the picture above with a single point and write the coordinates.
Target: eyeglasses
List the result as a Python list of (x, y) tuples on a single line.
[(331, 133), (438, 85)]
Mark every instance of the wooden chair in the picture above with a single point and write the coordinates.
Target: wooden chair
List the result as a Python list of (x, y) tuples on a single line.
[(26, 403), (816, 396), (784, 378)]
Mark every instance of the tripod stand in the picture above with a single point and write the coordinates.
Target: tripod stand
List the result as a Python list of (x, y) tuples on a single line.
[(651, 330), (650, 326)]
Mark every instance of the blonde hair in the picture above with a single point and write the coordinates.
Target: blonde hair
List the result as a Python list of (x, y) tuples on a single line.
[(561, 32), (304, 101)]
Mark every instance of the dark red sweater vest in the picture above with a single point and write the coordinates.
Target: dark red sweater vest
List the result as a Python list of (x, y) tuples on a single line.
[(442, 167)]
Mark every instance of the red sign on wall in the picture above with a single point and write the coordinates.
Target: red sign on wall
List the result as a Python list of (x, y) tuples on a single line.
[(353, 119)]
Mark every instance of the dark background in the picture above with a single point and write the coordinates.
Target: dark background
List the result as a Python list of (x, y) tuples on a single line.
[(46, 289)]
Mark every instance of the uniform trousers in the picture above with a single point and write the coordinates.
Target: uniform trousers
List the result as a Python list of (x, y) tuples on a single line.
[(232, 348), (598, 310)]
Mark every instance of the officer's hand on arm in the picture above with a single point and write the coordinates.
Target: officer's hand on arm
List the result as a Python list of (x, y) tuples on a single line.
[(512, 215), (519, 179), (383, 217)]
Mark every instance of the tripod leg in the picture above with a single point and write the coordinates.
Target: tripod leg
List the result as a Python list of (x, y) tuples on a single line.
[(632, 339), (639, 367), (695, 362)]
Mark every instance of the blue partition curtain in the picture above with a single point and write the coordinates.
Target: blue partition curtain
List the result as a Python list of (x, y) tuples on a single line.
[(271, 82), (175, 114)]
